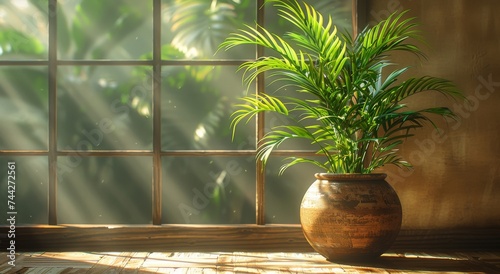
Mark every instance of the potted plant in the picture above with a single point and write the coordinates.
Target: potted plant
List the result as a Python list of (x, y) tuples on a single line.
[(353, 113)]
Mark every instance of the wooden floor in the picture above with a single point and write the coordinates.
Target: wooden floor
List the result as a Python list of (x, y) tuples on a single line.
[(245, 262)]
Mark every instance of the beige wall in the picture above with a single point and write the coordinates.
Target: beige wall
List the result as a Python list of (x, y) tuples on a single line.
[(456, 179)]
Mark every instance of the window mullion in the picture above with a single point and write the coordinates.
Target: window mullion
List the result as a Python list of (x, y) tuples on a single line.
[(52, 201), (157, 181), (260, 178)]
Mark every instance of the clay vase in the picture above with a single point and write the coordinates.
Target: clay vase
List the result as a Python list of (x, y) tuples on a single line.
[(350, 217)]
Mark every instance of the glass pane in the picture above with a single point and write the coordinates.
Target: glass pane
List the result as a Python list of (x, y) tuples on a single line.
[(339, 10), (23, 29), (194, 29), (283, 193), (31, 189), (23, 108), (104, 108), (92, 29), (197, 103), (273, 120), (104, 190), (208, 190)]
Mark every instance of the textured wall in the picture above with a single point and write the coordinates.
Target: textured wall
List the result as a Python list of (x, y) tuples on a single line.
[(456, 179)]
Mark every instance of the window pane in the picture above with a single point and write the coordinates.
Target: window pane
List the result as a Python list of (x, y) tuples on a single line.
[(23, 108), (284, 193), (195, 28), (23, 30), (104, 190), (109, 107), (31, 189), (197, 103), (104, 108), (92, 29), (272, 120), (209, 190)]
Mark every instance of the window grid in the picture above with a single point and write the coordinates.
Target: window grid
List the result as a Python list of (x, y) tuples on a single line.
[(53, 63)]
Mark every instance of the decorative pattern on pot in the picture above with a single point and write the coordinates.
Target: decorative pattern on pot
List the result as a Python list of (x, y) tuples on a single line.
[(350, 216)]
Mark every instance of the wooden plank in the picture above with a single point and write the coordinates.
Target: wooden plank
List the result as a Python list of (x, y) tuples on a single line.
[(225, 264), (222, 238), (135, 262), (80, 260), (249, 262), (4, 259), (181, 260), (5, 267), (74, 271), (111, 261), (261, 262), (159, 238)]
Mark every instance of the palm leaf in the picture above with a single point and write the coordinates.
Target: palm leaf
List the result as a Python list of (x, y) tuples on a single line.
[(356, 118), (253, 106)]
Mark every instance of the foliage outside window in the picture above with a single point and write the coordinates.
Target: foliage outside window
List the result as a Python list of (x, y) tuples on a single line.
[(123, 107)]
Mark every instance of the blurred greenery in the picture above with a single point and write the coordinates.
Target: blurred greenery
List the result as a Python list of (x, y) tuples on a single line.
[(110, 107)]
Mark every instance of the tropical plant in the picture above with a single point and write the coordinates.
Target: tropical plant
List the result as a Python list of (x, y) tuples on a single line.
[(356, 117)]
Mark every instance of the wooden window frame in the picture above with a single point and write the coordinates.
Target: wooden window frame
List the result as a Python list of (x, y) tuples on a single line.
[(53, 236)]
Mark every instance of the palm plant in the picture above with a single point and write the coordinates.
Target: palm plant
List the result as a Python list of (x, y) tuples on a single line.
[(357, 118)]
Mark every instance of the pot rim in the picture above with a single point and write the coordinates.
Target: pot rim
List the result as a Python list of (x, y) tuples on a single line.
[(350, 176)]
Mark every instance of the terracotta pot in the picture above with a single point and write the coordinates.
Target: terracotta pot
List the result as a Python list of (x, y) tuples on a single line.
[(350, 216)]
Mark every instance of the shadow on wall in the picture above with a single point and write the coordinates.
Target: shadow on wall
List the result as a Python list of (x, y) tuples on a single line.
[(456, 175)]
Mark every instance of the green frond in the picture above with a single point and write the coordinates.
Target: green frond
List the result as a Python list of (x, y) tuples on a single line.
[(426, 83), (253, 106), (299, 160), (277, 136), (355, 118)]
